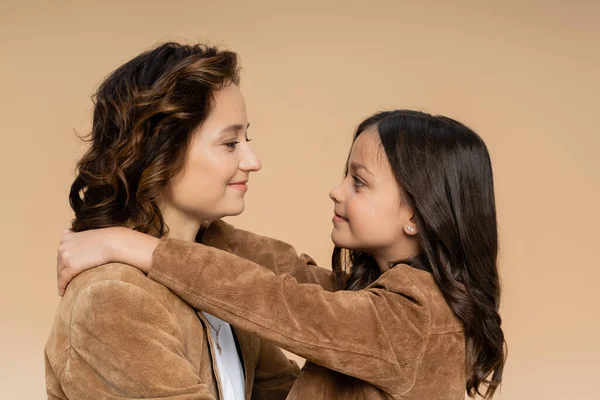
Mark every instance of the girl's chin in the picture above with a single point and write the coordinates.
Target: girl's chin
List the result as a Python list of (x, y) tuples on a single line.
[(343, 243), (339, 241)]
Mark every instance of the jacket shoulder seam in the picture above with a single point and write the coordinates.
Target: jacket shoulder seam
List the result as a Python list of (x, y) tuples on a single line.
[(113, 281), (447, 331)]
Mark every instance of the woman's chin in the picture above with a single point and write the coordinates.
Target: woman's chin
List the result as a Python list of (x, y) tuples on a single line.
[(236, 210), (223, 212)]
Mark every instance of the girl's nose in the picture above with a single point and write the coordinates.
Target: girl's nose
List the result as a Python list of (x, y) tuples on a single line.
[(335, 194)]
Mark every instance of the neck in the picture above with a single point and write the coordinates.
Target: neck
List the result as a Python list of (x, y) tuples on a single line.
[(181, 226), (402, 251)]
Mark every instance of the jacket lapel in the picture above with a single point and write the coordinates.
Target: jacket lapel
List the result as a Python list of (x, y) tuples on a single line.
[(246, 345)]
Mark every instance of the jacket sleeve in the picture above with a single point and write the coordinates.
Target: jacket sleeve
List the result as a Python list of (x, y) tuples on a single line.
[(348, 331), (278, 256), (274, 375), (126, 345)]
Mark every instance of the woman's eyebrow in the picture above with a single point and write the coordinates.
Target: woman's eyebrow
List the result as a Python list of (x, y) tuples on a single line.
[(234, 128)]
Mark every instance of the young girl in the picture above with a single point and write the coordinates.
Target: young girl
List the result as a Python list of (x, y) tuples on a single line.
[(410, 310)]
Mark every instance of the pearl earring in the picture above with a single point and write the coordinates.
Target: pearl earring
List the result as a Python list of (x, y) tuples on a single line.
[(410, 229)]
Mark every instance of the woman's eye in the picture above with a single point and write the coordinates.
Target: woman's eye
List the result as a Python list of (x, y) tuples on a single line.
[(232, 145), (357, 182)]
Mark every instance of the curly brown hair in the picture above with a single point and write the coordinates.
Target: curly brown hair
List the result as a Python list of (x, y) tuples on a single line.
[(144, 115)]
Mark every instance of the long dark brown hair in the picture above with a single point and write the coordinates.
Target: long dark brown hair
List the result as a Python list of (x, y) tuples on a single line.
[(445, 174), (144, 115)]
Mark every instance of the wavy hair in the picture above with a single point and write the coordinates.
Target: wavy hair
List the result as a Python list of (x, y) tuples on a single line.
[(144, 115), (444, 171)]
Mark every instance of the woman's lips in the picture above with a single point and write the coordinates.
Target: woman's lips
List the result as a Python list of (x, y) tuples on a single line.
[(241, 186)]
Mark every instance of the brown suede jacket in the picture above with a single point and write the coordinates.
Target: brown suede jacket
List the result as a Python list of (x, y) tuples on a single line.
[(119, 335), (397, 339)]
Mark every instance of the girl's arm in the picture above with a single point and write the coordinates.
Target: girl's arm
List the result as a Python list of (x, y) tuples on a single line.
[(278, 256), (84, 250)]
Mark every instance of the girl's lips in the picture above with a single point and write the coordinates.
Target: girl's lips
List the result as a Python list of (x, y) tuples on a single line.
[(337, 218)]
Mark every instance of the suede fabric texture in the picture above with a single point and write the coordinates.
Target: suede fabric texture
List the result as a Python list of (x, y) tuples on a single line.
[(397, 339), (118, 335)]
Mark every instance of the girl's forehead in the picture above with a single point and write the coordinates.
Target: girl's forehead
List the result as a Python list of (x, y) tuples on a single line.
[(367, 148)]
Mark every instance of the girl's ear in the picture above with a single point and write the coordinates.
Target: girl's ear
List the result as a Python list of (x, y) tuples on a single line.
[(411, 227)]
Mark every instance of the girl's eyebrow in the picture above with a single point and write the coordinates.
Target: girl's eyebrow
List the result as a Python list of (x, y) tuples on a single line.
[(358, 166)]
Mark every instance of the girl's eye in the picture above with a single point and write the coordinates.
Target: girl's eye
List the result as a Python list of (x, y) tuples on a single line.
[(357, 182), (232, 145), (248, 139)]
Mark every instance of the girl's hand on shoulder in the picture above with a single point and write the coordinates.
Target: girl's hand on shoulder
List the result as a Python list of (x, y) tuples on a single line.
[(80, 251)]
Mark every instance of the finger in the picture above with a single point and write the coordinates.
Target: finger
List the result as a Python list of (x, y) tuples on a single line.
[(59, 278), (63, 280), (60, 261), (60, 285), (63, 266), (61, 288)]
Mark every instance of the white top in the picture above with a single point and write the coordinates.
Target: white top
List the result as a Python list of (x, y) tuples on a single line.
[(231, 372)]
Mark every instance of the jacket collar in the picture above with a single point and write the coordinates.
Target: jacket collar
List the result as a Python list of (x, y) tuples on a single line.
[(217, 234)]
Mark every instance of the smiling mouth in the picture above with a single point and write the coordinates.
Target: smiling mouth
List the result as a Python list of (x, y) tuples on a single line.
[(241, 185), (339, 218)]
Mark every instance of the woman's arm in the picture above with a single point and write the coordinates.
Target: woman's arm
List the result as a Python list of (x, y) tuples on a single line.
[(350, 332)]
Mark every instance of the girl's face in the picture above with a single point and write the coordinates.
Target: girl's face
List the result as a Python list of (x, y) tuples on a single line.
[(369, 214), (213, 181)]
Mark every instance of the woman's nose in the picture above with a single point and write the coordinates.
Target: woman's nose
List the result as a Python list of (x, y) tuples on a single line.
[(250, 161)]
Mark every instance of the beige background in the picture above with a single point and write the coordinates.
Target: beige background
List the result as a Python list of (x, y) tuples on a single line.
[(525, 76)]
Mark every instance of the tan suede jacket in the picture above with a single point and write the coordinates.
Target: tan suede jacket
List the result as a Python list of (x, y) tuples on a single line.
[(118, 335), (397, 339)]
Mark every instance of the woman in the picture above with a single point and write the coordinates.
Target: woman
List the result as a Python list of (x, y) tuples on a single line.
[(417, 313), (169, 150)]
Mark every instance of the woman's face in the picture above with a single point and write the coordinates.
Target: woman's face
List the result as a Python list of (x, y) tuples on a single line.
[(213, 181)]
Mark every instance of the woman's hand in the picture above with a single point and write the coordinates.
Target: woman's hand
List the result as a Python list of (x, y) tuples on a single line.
[(80, 251)]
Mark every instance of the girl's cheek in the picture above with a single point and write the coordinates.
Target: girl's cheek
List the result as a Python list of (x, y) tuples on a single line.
[(354, 211)]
